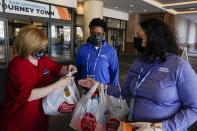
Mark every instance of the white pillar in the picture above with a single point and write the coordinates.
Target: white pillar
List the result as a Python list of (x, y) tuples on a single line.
[(92, 9)]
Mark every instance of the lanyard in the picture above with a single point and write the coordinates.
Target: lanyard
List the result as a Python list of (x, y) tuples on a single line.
[(138, 84), (95, 61), (140, 80)]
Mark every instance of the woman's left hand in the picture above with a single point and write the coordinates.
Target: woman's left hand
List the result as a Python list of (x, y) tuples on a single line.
[(71, 68), (88, 83)]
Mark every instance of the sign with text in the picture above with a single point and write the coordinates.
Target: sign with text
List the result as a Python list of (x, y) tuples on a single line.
[(27, 8)]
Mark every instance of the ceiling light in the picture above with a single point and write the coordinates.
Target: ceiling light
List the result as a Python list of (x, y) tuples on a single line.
[(130, 11), (116, 7), (131, 5), (145, 10)]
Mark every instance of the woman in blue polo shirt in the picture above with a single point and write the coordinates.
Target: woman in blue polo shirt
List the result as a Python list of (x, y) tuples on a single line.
[(97, 59)]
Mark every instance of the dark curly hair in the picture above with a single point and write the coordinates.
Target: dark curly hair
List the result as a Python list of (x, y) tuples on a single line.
[(160, 40), (98, 22)]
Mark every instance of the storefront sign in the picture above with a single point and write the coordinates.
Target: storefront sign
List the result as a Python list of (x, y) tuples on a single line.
[(61, 13), (1, 9), (27, 8), (35, 9), (67, 3)]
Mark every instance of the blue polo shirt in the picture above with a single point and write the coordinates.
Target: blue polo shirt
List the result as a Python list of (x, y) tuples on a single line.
[(167, 95), (101, 62)]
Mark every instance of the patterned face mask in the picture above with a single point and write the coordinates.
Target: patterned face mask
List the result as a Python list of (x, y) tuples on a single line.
[(39, 54), (96, 39)]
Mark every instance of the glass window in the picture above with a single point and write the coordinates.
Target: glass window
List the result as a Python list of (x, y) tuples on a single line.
[(79, 20), (113, 23), (2, 43), (78, 38), (60, 43), (123, 25)]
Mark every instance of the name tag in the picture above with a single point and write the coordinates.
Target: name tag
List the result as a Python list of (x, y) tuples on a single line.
[(163, 69)]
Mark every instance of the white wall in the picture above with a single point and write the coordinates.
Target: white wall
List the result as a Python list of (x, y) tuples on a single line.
[(186, 31), (115, 14), (192, 33), (181, 26)]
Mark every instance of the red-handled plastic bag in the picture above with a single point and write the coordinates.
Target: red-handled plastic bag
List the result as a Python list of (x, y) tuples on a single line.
[(61, 101), (89, 112), (117, 110)]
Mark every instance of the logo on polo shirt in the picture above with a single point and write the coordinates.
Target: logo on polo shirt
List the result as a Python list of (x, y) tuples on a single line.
[(163, 69)]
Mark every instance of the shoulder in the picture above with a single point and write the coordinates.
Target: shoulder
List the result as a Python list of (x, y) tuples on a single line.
[(45, 59), (175, 63), (18, 62), (109, 48), (18, 65), (85, 45)]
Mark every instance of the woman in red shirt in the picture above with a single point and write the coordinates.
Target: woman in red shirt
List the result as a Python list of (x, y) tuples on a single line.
[(29, 79)]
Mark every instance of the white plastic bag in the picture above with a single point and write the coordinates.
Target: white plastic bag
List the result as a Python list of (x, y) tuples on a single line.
[(61, 101), (89, 113), (117, 111)]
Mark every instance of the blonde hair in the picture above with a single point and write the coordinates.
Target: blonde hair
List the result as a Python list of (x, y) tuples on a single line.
[(29, 40)]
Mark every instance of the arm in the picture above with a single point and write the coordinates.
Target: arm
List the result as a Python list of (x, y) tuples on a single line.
[(187, 89), (114, 69), (79, 64), (38, 93), (126, 93)]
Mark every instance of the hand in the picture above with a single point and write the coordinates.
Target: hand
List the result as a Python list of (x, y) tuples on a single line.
[(72, 68), (146, 126), (88, 83), (142, 126), (63, 81)]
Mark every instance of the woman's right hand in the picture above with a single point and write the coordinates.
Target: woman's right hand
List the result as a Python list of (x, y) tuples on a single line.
[(63, 81), (88, 83)]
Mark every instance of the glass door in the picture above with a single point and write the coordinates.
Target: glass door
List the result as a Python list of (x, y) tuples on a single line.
[(3, 45), (60, 42)]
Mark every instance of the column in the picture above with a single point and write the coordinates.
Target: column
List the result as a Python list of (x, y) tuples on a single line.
[(92, 9)]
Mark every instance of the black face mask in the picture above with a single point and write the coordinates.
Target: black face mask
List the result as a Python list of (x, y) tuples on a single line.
[(138, 44), (96, 39)]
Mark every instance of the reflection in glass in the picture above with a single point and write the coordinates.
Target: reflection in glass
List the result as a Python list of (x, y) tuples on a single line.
[(113, 23), (60, 43), (78, 38), (2, 43)]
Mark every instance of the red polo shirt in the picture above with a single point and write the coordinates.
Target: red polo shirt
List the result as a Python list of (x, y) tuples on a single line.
[(16, 112)]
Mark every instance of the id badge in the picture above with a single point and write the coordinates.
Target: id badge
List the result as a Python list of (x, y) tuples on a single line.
[(91, 76)]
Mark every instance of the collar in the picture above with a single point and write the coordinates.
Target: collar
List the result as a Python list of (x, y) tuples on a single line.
[(103, 44)]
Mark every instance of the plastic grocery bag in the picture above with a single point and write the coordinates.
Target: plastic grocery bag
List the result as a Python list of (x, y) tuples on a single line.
[(89, 112), (61, 101), (117, 111)]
